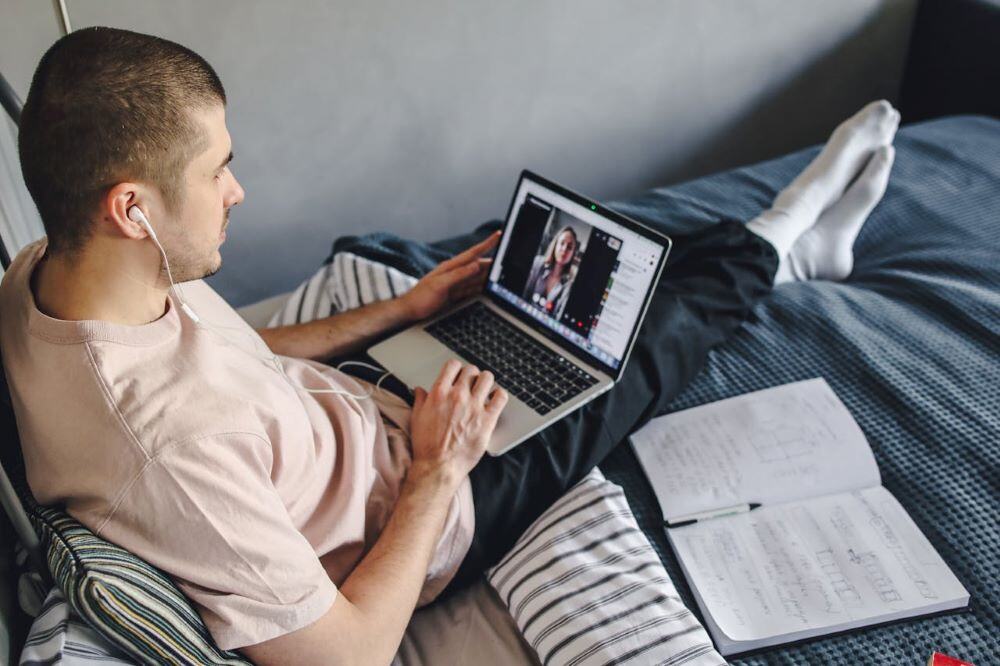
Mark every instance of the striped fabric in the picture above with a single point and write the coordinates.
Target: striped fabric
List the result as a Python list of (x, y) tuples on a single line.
[(586, 588), (58, 636), (129, 602), (346, 282)]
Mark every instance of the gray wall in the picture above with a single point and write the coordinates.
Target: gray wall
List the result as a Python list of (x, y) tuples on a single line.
[(415, 117)]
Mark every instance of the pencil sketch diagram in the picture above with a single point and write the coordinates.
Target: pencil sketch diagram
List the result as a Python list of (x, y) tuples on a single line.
[(775, 437), (876, 575)]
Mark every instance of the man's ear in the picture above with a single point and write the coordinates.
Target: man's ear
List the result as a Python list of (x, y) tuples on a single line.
[(115, 206)]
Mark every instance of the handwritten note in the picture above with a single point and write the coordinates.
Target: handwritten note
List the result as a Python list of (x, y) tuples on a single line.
[(775, 445), (826, 564)]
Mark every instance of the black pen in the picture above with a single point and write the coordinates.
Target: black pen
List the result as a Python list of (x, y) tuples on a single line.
[(681, 521)]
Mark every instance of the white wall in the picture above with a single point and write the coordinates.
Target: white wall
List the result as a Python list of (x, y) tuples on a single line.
[(415, 117)]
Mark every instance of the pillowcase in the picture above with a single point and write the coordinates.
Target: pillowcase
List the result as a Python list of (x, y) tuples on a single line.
[(585, 587), (347, 281), (58, 636)]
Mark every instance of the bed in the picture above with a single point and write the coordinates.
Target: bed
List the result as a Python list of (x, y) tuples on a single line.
[(910, 343)]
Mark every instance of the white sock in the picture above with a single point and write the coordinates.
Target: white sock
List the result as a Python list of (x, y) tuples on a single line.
[(825, 252), (798, 207)]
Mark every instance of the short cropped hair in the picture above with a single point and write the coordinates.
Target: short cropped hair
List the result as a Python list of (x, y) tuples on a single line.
[(106, 106)]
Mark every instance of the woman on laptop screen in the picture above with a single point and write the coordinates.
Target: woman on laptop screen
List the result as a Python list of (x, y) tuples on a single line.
[(552, 272)]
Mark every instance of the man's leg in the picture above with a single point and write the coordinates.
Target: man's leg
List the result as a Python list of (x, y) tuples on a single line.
[(711, 282)]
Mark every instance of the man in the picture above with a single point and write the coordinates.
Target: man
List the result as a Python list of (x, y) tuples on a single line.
[(304, 514)]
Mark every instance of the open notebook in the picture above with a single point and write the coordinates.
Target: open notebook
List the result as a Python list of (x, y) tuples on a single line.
[(827, 550)]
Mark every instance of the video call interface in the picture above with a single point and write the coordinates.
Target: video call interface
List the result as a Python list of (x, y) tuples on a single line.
[(584, 279)]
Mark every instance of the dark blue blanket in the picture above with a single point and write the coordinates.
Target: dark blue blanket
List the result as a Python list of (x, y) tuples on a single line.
[(910, 342)]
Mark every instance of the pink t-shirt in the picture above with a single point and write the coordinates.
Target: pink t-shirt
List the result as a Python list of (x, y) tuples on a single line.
[(179, 445)]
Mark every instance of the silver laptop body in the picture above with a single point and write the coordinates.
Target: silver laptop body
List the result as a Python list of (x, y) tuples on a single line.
[(561, 309)]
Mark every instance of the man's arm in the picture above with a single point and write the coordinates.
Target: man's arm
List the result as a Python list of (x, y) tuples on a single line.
[(366, 622), (450, 281), (342, 333), (451, 427)]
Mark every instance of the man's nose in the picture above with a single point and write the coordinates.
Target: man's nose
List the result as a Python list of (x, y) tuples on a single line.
[(236, 194)]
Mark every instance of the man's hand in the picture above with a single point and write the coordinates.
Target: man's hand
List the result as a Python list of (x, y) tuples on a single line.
[(451, 425), (450, 428), (459, 277)]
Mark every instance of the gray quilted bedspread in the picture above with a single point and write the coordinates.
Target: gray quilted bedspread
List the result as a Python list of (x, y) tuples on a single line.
[(910, 343)]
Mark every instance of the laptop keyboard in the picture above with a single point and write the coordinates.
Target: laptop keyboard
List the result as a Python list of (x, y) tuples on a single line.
[(530, 371)]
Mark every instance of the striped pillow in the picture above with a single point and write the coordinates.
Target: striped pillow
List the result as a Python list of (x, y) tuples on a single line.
[(348, 281), (129, 602), (585, 587)]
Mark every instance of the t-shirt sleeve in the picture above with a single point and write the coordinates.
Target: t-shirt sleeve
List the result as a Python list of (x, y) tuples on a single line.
[(206, 512)]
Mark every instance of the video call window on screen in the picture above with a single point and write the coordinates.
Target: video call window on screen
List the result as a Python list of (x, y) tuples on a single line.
[(560, 265)]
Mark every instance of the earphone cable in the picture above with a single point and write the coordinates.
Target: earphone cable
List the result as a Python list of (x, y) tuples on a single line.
[(270, 358)]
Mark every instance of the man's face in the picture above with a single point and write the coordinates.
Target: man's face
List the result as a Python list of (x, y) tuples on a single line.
[(192, 240)]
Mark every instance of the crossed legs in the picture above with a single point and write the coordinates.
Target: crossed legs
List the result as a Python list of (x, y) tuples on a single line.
[(710, 283)]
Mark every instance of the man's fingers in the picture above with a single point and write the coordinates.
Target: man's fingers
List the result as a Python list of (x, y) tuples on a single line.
[(467, 376), (471, 275), (419, 396), (470, 269), (483, 386), (459, 280), (470, 288), (473, 252), (448, 374), (497, 402)]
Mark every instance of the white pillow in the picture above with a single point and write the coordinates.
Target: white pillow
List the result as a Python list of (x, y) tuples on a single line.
[(585, 587)]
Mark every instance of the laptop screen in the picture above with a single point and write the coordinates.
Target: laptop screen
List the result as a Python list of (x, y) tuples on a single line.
[(569, 265)]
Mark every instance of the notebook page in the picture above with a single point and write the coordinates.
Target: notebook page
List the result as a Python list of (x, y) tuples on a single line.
[(788, 442), (793, 571)]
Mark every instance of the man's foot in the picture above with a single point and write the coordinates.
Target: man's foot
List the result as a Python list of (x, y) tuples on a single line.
[(825, 252), (798, 207)]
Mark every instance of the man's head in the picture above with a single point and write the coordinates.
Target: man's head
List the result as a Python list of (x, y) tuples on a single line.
[(114, 119)]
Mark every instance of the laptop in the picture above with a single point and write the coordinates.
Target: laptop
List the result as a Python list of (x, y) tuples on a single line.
[(559, 313)]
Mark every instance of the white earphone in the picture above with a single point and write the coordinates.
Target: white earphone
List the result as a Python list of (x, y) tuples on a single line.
[(136, 215)]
